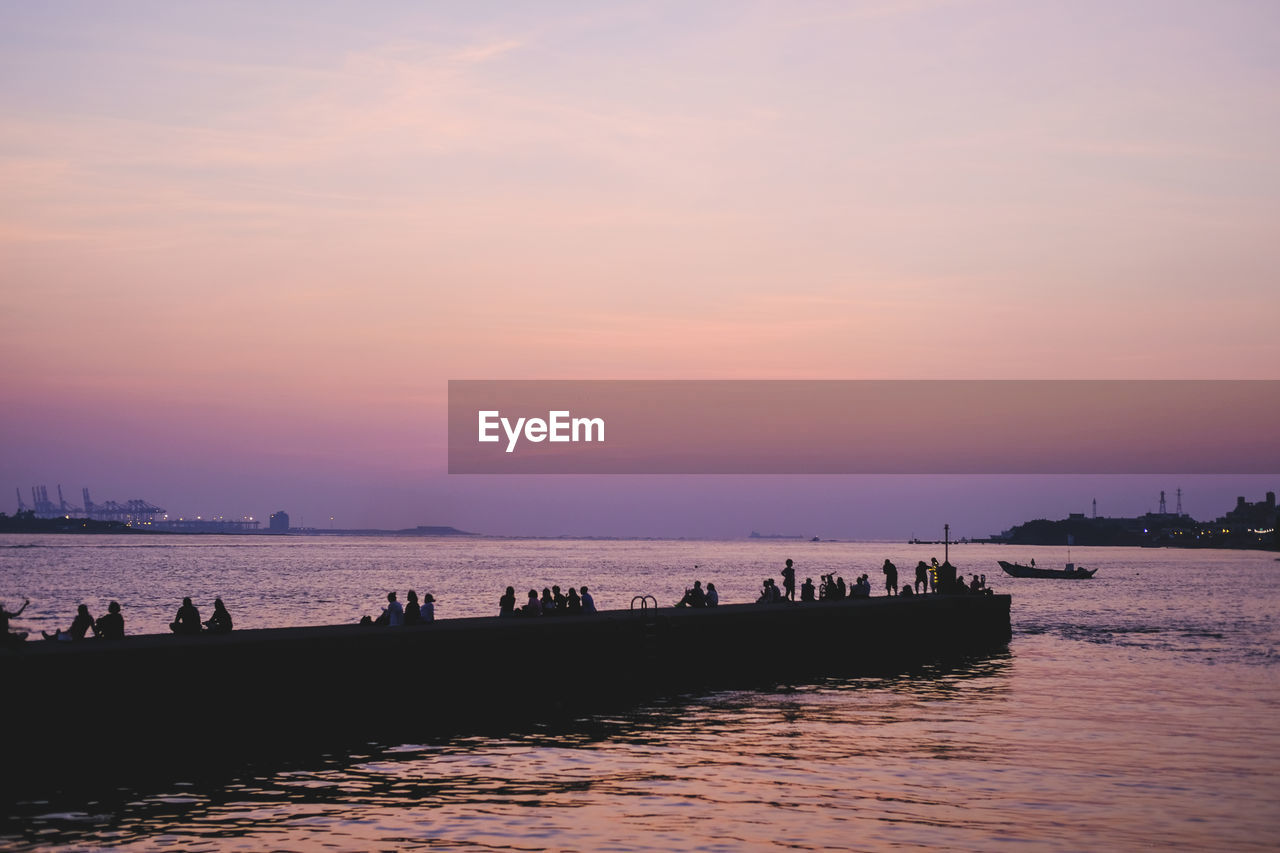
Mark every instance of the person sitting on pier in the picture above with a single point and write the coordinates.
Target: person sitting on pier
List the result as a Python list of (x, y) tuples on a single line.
[(890, 578), (110, 626), (769, 593), (188, 619), (15, 638), (532, 607), (974, 585), (79, 625), (806, 590), (713, 597), (907, 590), (789, 581), (572, 603), (694, 597), (842, 591), (922, 576), (861, 589), (393, 613), (428, 607), (220, 621), (412, 610), (507, 604), (559, 598), (548, 603), (588, 603)]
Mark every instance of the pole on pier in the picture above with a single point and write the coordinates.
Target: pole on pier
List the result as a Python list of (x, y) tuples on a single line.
[(946, 543)]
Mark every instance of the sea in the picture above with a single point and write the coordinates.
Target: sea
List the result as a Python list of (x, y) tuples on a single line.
[(1137, 710)]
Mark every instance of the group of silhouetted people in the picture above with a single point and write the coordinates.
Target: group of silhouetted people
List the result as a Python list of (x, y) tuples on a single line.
[(110, 626), (187, 621), (552, 602), (928, 578), (412, 612), (696, 596)]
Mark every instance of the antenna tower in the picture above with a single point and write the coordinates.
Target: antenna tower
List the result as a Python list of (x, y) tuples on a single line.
[(1163, 509), (1095, 507), (1179, 500)]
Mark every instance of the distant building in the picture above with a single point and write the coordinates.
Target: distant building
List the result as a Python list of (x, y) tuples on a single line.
[(279, 522)]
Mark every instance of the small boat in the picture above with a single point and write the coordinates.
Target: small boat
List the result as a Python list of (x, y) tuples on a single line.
[(1018, 570)]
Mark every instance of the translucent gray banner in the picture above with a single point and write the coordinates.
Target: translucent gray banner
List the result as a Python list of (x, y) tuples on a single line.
[(863, 427)]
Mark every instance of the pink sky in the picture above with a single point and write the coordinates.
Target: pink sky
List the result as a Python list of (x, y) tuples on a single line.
[(241, 255)]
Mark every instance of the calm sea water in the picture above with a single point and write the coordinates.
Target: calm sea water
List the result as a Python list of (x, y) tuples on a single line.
[(1139, 709)]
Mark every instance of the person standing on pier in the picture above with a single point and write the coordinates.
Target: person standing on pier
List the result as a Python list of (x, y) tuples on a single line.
[(789, 581), (922, 576), (890, 578)]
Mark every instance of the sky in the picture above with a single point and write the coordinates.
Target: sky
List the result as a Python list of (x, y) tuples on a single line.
[(243, 248)]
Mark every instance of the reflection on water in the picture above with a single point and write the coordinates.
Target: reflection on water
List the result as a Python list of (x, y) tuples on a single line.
[(733, 763), (1136, 710)]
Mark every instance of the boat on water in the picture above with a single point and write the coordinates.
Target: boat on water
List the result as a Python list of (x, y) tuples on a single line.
[(1018, 570)]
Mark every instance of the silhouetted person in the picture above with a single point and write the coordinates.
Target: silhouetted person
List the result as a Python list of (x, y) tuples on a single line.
[(428, 607), (906, 590), (789, 581), (588, 603), (694, 597), (393, 613), (188, 619), (806, 590), (532, 607), (110, 626), (79, 625), (769, 593), (558, 597), (220, 621), (548, 603), (412, 610), (572, 603), (890, 578), (861, 589), (933, 575), (841, 590), (922, 576), (15, 638), (713, 597), (507, 604)]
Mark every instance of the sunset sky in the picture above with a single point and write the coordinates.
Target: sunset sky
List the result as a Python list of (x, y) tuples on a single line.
[(243, 248)]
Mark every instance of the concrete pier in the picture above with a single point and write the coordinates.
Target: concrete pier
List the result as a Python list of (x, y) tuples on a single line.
[(160, 698)]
